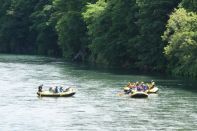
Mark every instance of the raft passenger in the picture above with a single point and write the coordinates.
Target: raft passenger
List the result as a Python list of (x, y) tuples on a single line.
[(56, 89), (51, 89), (40, 88), (144, 86), (152, 84), (61, 89)]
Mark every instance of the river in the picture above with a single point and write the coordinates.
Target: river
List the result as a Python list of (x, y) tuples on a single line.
[(96, 105)]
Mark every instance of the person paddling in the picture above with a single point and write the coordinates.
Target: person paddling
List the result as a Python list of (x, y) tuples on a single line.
[(152, 84), (61, 89), (56, 89), (40, 88)]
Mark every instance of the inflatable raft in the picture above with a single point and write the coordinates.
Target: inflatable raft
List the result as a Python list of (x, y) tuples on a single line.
[(139, 94), (67, 93), (153, 90)]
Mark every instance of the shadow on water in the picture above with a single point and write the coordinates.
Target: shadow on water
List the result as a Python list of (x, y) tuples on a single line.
[(28, 59), (161, 79)]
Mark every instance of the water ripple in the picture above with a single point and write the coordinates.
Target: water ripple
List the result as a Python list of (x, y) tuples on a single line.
[(95, 107)]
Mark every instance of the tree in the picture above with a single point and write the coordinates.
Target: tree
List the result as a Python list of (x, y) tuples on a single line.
[(181, 36), (43, 28), (71, 29), (15, 29), (153, 16), (92, 16), (4, 4), (112, 28), (190, 5)]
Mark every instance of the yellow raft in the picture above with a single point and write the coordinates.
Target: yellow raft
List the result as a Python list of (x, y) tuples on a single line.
[(139, 94), (67, 93), (153, 90)]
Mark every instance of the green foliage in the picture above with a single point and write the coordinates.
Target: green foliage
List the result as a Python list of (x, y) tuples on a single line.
[(153, 16), (181, 36), (111, 27), (14, 29), (190, 5), (92, 13), (4, 4), (44, 29), (25, 27), (71, 29)]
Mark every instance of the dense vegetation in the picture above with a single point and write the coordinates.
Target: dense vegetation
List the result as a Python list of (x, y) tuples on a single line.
[(149, 35)]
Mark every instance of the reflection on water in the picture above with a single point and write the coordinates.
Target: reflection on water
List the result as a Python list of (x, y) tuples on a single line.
[(96, 106)]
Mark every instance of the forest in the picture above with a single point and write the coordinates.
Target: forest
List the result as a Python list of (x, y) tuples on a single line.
[(146, 35)]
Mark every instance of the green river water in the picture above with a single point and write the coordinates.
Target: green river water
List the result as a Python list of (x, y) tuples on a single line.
[(96, 105)]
